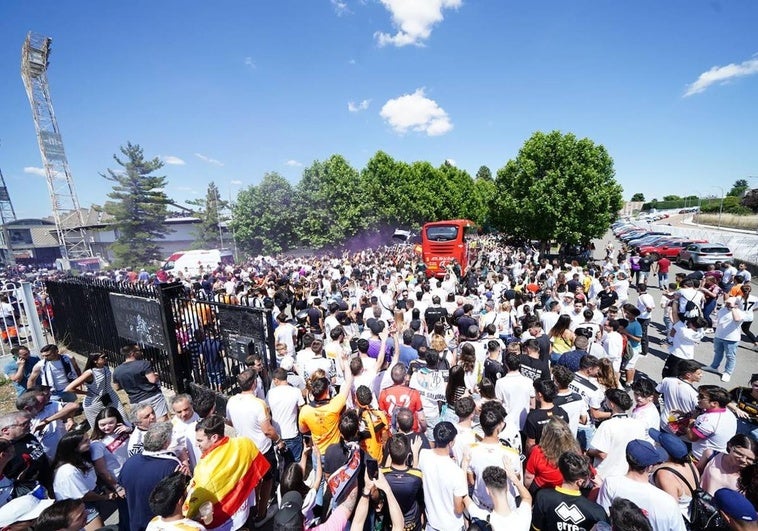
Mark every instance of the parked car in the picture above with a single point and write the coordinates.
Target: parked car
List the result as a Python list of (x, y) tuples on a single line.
[(669, 249), (703, 254)]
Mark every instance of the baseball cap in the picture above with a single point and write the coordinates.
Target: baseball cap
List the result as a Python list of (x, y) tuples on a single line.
[(444, 433), (735, 505), (289, 516), (643, 453), (287, 363), (672, 444), (23, 508)]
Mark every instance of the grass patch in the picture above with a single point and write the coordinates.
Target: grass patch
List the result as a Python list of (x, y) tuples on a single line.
[(729, 220)]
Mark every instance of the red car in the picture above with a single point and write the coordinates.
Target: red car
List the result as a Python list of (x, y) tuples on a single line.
[(670, 249)]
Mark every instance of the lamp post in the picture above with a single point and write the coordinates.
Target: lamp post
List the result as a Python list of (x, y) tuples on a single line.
[(721, 206), (231, 208)]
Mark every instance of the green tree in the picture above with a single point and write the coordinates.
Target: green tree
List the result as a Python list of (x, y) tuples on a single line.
[(484, 173), (139, 207), (558, 188), (671, 198), (262, 216), (639, 196), (210, 210), (330, 203), (738, 188)]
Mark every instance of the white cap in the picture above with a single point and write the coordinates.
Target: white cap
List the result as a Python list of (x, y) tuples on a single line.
[(287, 363), (23, 508)]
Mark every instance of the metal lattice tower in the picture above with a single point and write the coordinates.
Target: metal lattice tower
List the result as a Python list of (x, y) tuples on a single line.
[(35, 56), (7, 215)]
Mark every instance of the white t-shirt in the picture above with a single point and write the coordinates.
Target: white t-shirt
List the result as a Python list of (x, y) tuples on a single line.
[(246, 413), (678, 395), (284, 334), (71, 483), (519, 519), (611, 437), (717, 426), (285, 402), (613, 344), (488, 454), (184, 434), (660, 507), (443, 481), (53, 373), (52, 433), (644, 302), (589, 388), (515, 390), (684, 341), (185, 524), (649, 415), (748, 307), (113, 449), (727, 328)]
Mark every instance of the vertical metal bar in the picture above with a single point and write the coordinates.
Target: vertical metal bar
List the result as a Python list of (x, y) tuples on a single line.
[(32, 319), (165, 294)]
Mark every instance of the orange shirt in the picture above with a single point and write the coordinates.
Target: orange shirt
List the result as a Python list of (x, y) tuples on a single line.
[(323, 422)]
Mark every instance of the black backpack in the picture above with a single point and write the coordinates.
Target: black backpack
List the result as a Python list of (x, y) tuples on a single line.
[(481, 525), (703, 513)]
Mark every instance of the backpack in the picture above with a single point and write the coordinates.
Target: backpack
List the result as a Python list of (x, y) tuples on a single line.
[(691, 309), (703, 513), (481, 525)]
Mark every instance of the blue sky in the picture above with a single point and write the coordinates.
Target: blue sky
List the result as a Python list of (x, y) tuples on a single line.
[(229, 90)]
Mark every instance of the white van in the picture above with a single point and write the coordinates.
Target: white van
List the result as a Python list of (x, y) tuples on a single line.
[(197, 262)]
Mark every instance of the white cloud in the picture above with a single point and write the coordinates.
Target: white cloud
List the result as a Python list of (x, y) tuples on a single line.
[(170, 159), (235, 182), (721, 75), (414, 20), (416, 112), (340, 7), (208, 159), (249, 62), (357, 107), (293, 163), (35, 171), (351, 62)]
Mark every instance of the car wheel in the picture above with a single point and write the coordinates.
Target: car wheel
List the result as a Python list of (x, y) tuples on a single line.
[(691, 264)]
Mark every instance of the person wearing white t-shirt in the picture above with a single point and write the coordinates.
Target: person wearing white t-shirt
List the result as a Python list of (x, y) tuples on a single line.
[(684, 336), (748, 304), (679, 393), (644, 403), (516, 392), (184, 422), (610, 439), (645, 304), (444, 482), (285, 402), (613, 343), (661, 509), (250, 417), (715, 426), (497, 480), (285, 333), (727, 336)]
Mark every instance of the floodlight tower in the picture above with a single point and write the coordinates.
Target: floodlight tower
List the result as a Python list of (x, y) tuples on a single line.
[(7, 214), (35, 56)]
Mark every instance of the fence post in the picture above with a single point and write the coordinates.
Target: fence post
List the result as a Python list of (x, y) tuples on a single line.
[(166, 293), (32, 319)]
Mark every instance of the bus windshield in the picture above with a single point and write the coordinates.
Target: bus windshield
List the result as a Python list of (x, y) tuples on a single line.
[(442, 233)]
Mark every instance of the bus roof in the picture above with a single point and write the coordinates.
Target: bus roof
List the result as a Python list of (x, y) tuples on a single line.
[(464, 222)]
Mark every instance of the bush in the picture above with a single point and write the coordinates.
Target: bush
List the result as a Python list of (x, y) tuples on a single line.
[(731, 206)]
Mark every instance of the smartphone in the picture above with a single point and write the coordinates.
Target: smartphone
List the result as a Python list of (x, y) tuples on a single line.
[(372, 468)]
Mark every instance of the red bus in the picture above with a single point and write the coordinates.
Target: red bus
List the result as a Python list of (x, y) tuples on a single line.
[(445, 241)]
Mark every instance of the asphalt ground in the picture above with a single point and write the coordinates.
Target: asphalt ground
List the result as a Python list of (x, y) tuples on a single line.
[(652, 364)]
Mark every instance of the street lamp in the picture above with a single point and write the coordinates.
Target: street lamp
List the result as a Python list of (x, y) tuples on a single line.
[(721, 206), (231, 208)]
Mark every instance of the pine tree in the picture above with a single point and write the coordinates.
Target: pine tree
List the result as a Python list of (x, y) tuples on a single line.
[(139, 207), (210, 209)]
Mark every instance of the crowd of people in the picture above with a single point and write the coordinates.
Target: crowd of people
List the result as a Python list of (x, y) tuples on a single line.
[(506, 399)]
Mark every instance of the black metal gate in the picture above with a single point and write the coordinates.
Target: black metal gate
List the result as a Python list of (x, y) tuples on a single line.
[(191, 343)]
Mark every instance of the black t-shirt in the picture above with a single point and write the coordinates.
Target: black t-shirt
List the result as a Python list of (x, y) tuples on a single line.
[(606, 299), (408, 489), (336, 455), (30, 462), (493, 370), (645, 264), (434, 314), (545, 347), (537, 418), (534, 368), (418, 341), (561, 510), (464, 322), (130, 376), (314, 317)]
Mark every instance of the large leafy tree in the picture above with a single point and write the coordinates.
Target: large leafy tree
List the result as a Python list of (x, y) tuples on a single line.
[(559, 187), (738, 188), (138, 206), (639, 196), (262, 216), (330, 203), (209, 212)]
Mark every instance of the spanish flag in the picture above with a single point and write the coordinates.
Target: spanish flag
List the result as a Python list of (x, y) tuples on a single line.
[(223, 480)]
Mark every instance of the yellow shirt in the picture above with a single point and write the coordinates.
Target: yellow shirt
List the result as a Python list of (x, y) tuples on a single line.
[(323, 422)]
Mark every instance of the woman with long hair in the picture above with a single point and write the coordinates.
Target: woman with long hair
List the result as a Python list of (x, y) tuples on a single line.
[(542, 466), (108, 448), (99, 393), (607, 376), (74, 476), (722, 470), (561, 337), (293, 478)]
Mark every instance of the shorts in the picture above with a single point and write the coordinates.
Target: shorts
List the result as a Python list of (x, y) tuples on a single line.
[(159, 404), (636, 355)]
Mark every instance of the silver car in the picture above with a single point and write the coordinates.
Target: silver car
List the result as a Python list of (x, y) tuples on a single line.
[(703, 254)]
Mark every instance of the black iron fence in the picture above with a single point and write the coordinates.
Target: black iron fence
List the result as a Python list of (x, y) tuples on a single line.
[(192, 344)]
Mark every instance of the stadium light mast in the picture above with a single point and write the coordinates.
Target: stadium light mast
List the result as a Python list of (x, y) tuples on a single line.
[(7, 215), (72, 237)]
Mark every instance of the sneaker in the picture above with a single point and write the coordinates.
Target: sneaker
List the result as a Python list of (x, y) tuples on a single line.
[(709, 330), (726, 377)]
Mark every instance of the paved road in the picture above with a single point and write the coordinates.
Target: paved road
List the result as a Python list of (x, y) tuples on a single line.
[(652, 364)]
